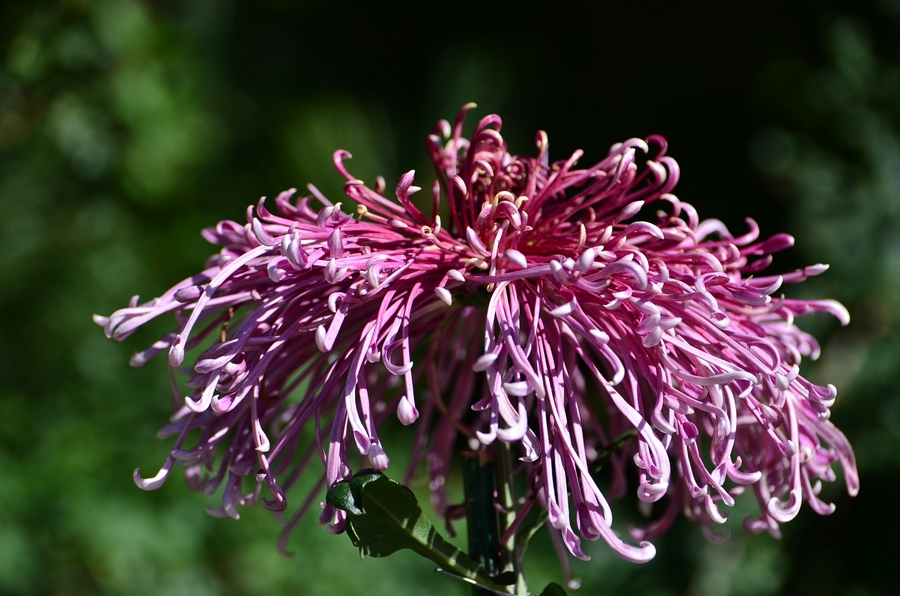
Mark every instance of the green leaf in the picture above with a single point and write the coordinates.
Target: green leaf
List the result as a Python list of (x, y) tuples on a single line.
[(383, 516), (341, 497), (553, 589)]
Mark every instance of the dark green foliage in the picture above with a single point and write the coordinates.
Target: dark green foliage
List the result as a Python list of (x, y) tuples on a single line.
[(384, 516), (553, 589)]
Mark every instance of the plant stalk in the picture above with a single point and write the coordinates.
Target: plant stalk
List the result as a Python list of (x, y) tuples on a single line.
[(481, 516), (511, 555)]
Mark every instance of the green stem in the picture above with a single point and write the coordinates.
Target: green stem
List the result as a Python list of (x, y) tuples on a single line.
[(481, 516), (511, 555)]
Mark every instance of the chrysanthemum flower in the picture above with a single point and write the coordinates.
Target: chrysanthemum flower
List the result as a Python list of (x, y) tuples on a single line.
[(539, 311)]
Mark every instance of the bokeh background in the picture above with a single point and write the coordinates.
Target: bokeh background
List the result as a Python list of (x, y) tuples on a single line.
[(126, 126)]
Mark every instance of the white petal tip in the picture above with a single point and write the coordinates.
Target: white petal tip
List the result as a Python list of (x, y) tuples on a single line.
[(444, 295), (320, 338), (150, 483), (456, 274), (176, 354), (484, 362), (514, 256), (564, 310), (600, 336)]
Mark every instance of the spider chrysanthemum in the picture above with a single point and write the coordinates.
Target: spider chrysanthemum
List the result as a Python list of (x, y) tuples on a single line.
[(540, 310)]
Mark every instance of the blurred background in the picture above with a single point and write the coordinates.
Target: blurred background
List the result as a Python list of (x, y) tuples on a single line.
[(126, 126)]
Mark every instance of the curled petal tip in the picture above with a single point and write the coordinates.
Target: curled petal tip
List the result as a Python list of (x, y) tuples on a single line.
[(781, 382), (839, 311), (223, 512), (517, 258), (188, 294), (517, 388), (262, 234), (150, 483), (138, 359), (484, 361), (201, 404), (783, 512), (176, 354), (444, 295), (378, 459), (405, 183), (643, 553), (650, 493), (321, 333), (601, 336), (630, 210), (639, 143), (406, 411), (564, 310), (456, 274), (485, 438), (586, 260)]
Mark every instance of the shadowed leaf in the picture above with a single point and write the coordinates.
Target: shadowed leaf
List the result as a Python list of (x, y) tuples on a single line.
[(553, 589), (383, 516)]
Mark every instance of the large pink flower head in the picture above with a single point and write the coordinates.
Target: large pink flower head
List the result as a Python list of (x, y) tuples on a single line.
[(538, 311)]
